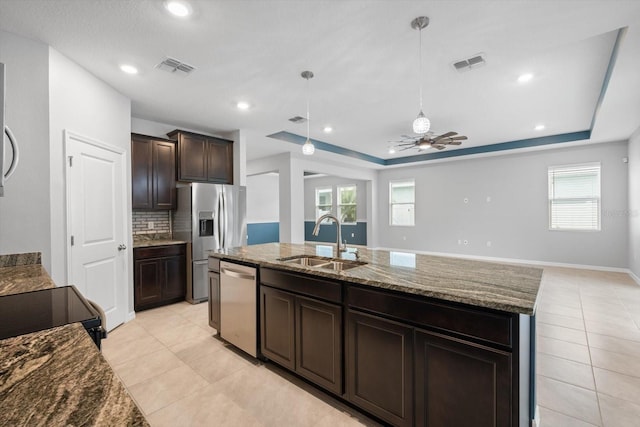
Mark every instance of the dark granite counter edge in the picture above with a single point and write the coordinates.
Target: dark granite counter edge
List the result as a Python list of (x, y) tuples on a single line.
[(496, 305), (152, 243)]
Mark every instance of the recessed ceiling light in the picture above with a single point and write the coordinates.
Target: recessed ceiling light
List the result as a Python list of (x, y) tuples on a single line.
[(392, 150), (327, 129), (523, 78), (129, 69), (539, 127), (180, 9), (243, 105)]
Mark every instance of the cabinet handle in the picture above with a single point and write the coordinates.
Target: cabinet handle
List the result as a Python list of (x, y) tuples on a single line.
[(237, 274), (122, 247)]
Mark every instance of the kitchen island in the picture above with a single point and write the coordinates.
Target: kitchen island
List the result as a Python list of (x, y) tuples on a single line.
[(56, 376), (411, 339)]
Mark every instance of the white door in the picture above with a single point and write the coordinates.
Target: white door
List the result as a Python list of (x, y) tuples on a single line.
[(96, 224)]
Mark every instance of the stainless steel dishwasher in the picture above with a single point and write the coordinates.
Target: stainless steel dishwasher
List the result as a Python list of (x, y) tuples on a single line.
[(238, 305)]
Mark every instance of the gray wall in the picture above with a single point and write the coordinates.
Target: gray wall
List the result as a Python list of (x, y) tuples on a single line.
[(515, 219), (24, 211), (83, 104), (263, 198), (310, 185), (634, 204)]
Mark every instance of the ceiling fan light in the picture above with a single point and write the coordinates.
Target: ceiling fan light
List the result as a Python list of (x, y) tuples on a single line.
[(308, 148), (421, 124)]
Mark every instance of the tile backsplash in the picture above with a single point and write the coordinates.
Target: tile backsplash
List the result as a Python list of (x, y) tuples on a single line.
[(161, 222)]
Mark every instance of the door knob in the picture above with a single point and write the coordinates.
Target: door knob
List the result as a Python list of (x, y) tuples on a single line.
[(122, 247)]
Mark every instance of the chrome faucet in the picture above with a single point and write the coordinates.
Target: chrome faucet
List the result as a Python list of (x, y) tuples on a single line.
[(340, 247)]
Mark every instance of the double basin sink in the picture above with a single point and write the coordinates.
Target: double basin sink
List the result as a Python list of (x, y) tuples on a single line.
[(335, 264)]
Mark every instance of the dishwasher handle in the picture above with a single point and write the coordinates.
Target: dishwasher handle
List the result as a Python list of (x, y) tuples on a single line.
[(237, 274)]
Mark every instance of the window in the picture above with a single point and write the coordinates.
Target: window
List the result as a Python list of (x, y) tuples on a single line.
[(347, 204), (574, 197), (324, 197), (401, 202)]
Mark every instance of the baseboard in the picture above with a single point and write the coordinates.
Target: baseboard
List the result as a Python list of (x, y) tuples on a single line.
[(634, 277), (535, 422), (514, 260), (130, 316)]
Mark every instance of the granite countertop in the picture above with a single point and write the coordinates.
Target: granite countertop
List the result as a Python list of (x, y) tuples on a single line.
[(58, 377), (509, 288), (149, 240), (24, 278)]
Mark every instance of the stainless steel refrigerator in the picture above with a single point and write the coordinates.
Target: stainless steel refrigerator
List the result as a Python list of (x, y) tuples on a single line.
[(209, 217)]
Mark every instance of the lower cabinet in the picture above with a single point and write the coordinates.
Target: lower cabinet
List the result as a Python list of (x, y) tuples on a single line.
[(456, 380), (380, 367), (214, 300), (160, 274), (304, 335)]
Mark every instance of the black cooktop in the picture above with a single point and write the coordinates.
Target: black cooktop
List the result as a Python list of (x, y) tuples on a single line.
[(39, 310)]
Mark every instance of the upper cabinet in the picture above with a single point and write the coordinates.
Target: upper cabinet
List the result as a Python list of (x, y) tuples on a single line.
[(203, 158), (153, 172)]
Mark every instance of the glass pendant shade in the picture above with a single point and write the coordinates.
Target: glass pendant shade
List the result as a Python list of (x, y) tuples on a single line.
[(308, 148), (421, 124)]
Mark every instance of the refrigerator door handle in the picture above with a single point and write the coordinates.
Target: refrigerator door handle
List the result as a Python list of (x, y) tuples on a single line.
[(224, 223), (219, 221)]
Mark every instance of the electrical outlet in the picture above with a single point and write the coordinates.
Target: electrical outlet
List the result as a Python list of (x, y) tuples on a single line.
[(150, 225), (353, 234)]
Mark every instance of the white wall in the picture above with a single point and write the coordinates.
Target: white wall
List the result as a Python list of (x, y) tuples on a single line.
[(263, 198), (515, 220), (634, 204), (310, 185), (81, 103), (24, 211)]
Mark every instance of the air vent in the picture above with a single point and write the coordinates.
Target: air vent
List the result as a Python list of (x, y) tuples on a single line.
[(174, 66), (470, 63), (297, 120)]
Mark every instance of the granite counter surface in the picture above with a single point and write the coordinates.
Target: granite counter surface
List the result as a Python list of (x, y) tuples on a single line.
[(149, 240), (57, 377), (509, 288), (24, 278)]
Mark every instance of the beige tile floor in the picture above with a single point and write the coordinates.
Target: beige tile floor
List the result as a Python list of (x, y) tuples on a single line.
[(588, 364)]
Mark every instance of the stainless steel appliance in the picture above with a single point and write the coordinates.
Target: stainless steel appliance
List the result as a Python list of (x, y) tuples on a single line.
[(4, 130), (238, 306), (209, 217)]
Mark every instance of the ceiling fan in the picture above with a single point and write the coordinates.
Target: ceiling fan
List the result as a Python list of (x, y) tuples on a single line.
[(428, 140)]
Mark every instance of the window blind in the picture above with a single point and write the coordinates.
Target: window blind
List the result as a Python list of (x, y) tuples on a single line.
[(574, 197)]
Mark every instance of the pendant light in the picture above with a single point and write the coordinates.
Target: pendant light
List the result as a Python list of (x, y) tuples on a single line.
[(307, 148), (421, 124)]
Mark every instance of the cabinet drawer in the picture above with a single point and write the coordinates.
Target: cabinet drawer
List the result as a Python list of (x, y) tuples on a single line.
[(214, 264), (159, 251), (305, 285), (490, 326)]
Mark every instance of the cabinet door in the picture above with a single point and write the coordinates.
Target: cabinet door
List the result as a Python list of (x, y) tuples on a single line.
[(460, 383), (319, 343), (141, 173), (220, 161), (214, 301), (164, 175), (175, 280), (192, 158), (277, 326), (380, 367), (148, 282)]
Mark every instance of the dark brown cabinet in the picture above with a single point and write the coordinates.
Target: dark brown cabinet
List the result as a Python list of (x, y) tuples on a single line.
[(203, 158), (159, 276), (300, 330), (319, 342), (454, 379), (277, 328), (380, 367), (214, 300), (153, 173)]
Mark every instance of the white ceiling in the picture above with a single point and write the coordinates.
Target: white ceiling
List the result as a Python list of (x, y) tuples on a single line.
[(364, 55)]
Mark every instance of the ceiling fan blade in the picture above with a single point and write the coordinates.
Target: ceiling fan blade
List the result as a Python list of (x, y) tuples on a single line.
[(438, 146), (458, 138), (406, 148), (444, 135), (453, 142)]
